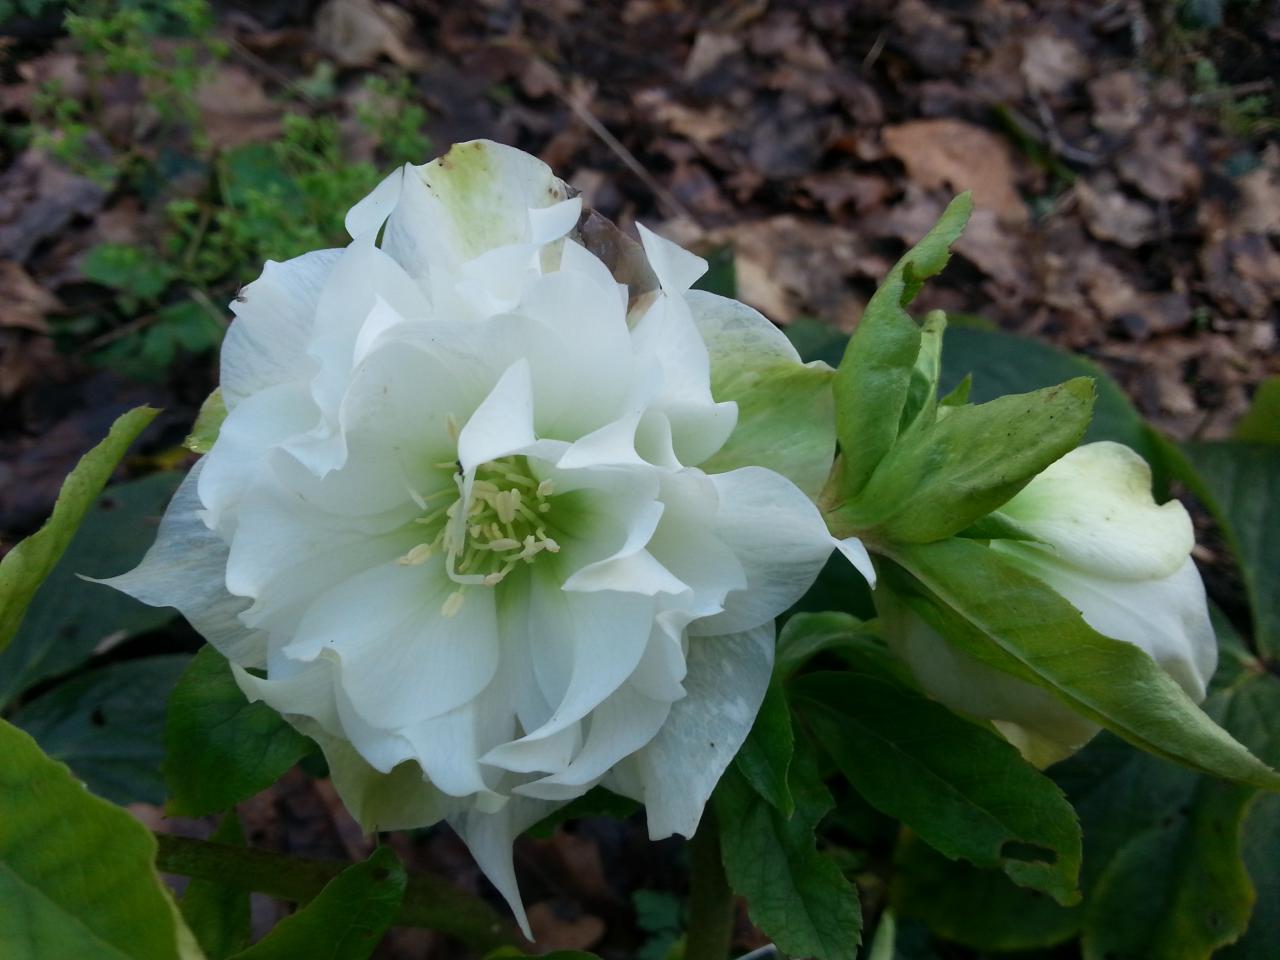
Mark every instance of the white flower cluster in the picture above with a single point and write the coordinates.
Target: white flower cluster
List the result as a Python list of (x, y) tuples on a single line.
[(454, 526)]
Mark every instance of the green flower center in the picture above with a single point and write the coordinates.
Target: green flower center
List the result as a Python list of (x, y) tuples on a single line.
[(503, 526)]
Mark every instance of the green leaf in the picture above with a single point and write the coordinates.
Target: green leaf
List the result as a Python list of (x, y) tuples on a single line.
[(765, 757), (940, 478), (982, 909), (1013, 622), (786, 411), (26, 566), (345, 921), (1240, 484), (1261, 424), (208, 423), (77, 874), (1180, 890), (131, 270), (218, 913), (806, 635), (965, 790), (219, 748), (873, 381), (107, 725), (69, 619), (1262, 839), (797, 896)]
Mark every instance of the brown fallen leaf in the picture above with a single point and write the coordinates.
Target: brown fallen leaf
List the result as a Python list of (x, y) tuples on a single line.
[(560, 926), (23, 302), (1260, 200), (1120, 101), (38, 198), (357, 32), (235, 109), (1051, 62), (1110, 215), (959, 156), (1159, 161)]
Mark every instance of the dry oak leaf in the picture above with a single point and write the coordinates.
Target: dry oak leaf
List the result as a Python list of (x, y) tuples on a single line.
[(1110, 215), (23, 302), (959, 156), (356, 32)]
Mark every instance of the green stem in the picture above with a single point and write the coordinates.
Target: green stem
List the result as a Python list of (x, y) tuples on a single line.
[(428, 901), (710, 898)]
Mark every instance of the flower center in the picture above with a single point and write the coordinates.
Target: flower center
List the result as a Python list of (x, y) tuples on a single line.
[(483, 539)]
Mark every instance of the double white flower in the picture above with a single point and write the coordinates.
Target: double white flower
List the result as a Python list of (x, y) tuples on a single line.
[(1121, 559), (454, 526)]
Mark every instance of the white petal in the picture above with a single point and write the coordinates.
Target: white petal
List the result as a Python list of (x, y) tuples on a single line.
[(687, 544), (490, 837), (612, 445), (473, 199), (266, 344), (1167, 617), (584, 646), (185, 568), (780, 539), (675, 267), (553, 222), (665, 336), (853, 550), (737, 335), (308, 693), (370, 213), (581, 313), (1094, 508), (503, 423), (403, 661), (285, 553), (677, 771), (661, 671), (620, 726), (448, 749), (243, 453), (630, 568), (400, 800)]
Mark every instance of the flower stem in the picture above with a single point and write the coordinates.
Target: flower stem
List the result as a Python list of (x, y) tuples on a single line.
[(428, 901), (710, 898)]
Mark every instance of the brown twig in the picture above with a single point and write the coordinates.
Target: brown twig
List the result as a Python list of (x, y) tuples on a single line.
[(664, 196)]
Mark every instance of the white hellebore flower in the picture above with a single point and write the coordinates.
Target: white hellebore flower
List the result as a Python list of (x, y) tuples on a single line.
[(454, 525), (1122, 560)]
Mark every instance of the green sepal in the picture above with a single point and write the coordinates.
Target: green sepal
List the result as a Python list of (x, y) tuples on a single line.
[(922, 393), (943, 476), (873, 382)]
